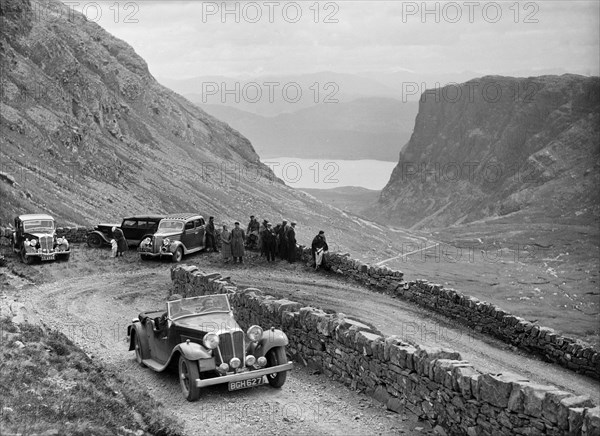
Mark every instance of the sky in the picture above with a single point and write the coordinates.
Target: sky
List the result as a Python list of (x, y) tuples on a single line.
[(184, 39)]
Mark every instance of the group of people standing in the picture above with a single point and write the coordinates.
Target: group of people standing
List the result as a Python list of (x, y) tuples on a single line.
[(272, 241)]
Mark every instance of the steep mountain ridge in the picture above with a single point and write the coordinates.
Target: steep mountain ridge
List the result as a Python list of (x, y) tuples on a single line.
[(496, 146), (87, 134)]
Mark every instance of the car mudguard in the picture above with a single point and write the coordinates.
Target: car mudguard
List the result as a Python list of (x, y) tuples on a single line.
[(271, 338), (99, 233), (136, 328), (176, 244), (192, 351)]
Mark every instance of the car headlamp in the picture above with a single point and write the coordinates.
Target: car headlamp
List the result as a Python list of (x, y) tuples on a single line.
[(250, 360), (255, 333), (235, 363), (33, 242), (166, 241), (211, 340)]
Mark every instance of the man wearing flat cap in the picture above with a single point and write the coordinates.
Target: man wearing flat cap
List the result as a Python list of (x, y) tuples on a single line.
[(211, 241), (237, 243)]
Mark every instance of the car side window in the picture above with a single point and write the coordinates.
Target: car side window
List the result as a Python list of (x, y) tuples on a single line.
[(189, 225), (142, 224), (129, 223), (199, 223)]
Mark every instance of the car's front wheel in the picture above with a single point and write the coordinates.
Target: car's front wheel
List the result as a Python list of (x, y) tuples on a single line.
[(276, 356), (188, 374), (94, 240), (139, 353), (26, 259), (178, 255)]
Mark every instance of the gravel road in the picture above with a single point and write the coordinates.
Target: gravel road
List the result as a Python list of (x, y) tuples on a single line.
[(93, 298)]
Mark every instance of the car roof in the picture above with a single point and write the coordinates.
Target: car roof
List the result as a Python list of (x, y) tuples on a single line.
[(183, 216), (144, 217), (35, 216)]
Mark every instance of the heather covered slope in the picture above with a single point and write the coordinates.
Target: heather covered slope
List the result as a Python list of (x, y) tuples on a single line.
[(87, 134), (496, 146)]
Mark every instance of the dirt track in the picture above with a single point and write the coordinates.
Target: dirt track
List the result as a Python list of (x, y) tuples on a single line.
[(93, 298)]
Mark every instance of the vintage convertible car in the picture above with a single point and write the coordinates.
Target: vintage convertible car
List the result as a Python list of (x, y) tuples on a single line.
[(177, 235), (34, 237), (201, 337)]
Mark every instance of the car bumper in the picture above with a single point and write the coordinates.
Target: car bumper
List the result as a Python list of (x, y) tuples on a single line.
[(48, 255), (159, 254), (244, 375)]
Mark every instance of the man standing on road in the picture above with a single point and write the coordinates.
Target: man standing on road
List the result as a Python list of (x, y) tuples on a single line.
[(237, 243), (270, 243), (291, 242), (281, 238), (210, 235), (319, 248)]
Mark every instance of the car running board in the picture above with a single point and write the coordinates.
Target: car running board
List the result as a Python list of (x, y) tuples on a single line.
[(154, 365)]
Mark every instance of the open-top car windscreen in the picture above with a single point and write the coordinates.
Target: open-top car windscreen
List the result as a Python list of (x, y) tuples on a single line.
[(170, 225), (198, 305), (33, 225)]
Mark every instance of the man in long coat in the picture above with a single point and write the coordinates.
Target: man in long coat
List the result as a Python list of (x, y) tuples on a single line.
[(270, 243), (319, 244), (225, 244), (211, 242), (291, 242), (282, 239), (237, 243)]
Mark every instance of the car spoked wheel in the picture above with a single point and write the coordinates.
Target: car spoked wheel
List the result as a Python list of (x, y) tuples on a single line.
[(276, 356), (188, 374), (178, 255), (139, 355), (94, 240)]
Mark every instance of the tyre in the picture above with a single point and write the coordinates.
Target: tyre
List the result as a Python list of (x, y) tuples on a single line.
[(139, 352), (178, 255), (188, 374), (94, 240), (26, 259), (276, 356)]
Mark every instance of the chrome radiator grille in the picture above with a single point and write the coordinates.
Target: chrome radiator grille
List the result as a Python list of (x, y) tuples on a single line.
[(46, 243), (232, 345)]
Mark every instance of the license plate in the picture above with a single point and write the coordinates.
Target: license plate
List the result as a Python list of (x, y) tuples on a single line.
[(243, 384), (47, 256)]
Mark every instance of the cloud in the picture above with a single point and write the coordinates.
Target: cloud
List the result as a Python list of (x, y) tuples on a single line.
[(183, 39)]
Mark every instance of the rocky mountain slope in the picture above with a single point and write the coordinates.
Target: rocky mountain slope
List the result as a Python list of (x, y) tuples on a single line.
[(499, 146), (88, 134)]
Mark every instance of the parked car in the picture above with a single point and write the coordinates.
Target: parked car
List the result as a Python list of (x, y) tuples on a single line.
[(201, 337), (34, 237), (135, 229), (177, 235)]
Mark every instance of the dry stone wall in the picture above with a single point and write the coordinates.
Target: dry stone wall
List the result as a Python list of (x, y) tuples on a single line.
[(479, 315), (434, 383)]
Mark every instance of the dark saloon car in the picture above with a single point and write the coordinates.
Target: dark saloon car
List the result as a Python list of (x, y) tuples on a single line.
[(34, 237), (177, 235), (201, 337), (134, 228)]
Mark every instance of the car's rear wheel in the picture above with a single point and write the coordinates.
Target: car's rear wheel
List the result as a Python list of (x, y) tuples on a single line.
[(26, 259), (178, 255), (139, 353), (276, 356), (94, 240), (188, 374)]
